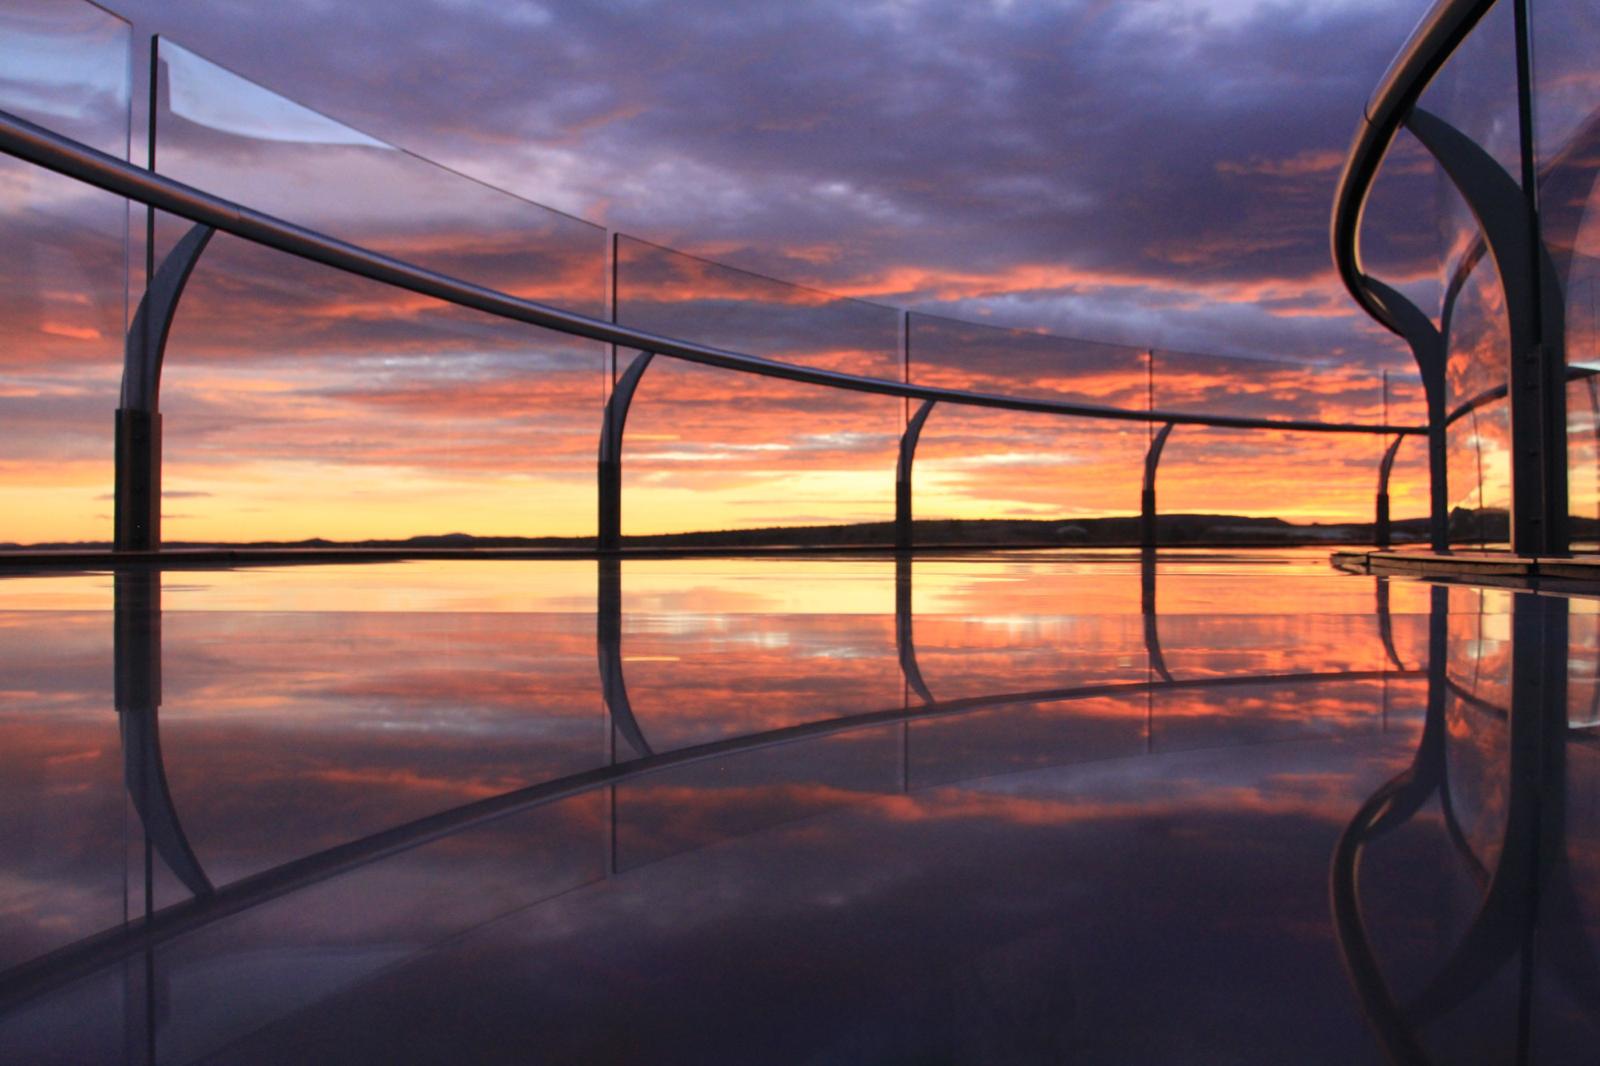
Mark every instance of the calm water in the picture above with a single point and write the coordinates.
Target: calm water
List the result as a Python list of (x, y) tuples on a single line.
[(1030, 808)]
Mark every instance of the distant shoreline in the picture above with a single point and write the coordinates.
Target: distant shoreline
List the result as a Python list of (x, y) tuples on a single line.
[(1173, 530)]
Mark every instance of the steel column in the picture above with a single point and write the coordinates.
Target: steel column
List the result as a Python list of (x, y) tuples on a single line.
[(612, 424)]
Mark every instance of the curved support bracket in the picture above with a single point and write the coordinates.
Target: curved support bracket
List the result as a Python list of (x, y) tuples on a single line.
[(152, 323), (1380, 524), (1536, 317), (137, 524), (137, 640), (608, 647), (612, 424), (902, 475), (1428, 348), (1147, 496)]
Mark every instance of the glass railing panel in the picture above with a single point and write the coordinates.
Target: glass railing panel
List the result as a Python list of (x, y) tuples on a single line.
[(1039, 478), (1476, 89), (986, 476), (975, 357), (1223, 486), (1476, 92), (232, 137), (300, 402), (1206, 384), (1477, 335), (1583, 461), (690, 298), (1583, 673), (710, 449), (64, 65), (1566, 84), (1566, 87), (1229, 486), (1399, 236), (1479, 456)]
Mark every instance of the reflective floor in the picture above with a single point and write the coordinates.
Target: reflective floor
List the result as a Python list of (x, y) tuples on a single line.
[(1036, 807)]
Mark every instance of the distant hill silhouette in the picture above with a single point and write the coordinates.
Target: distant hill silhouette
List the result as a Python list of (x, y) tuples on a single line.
[(1487, 525)]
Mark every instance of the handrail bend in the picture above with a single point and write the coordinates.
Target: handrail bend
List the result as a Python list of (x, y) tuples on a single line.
[(1441, 30)]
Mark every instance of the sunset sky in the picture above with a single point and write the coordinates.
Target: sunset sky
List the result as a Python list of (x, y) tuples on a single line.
[(1150, 176)]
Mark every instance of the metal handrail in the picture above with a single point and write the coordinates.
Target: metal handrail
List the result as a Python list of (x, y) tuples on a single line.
[(43, 147), (1441, 30)]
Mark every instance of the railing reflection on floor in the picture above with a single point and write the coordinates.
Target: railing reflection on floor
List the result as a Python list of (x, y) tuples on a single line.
[(137, 628), (1528, 915)]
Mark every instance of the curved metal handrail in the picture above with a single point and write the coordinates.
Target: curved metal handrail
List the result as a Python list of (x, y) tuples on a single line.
[(1441, 30), (50, 150)]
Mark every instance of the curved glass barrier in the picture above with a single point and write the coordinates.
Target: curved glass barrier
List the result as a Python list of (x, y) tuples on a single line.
[(63, 277), (378, 399), (711, 449), (1266, 476), (1204, 383), (1408, 477), (1060, 474)]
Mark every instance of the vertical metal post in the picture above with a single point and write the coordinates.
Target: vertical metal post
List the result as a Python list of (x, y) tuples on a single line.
[(137, 509), (1147, 495), (137, 493), (902, 476), (1427, 345), (609, 469), (1380, 525)]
